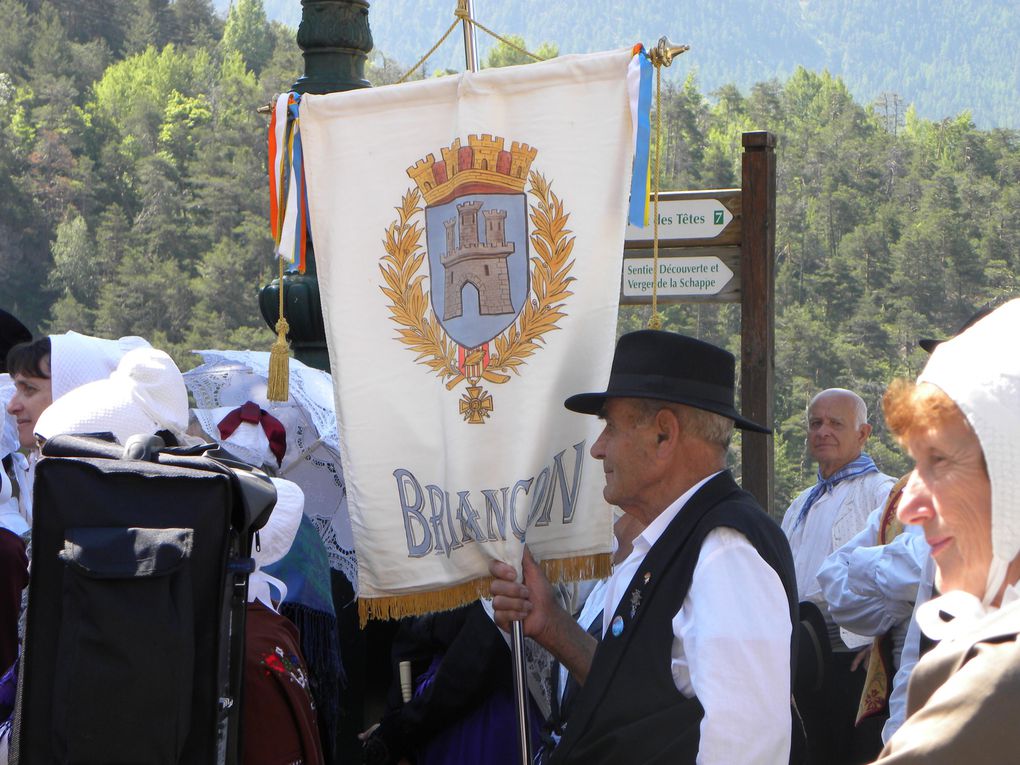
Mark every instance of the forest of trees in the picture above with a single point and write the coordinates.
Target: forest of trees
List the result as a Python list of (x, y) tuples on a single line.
[(133, 198)]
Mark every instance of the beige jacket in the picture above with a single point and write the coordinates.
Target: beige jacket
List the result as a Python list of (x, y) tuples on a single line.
[(963, 703)]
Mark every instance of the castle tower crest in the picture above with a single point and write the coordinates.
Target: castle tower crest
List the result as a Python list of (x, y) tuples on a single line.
[(483, 166), (479, 263)]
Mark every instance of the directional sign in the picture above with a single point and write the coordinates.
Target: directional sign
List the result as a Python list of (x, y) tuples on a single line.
[(677, 276), (684, 219)]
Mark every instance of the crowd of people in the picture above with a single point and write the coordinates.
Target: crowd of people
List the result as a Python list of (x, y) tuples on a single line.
[(878, 622)]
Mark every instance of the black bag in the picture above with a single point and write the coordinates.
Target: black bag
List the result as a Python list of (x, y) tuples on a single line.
[(134, 647)]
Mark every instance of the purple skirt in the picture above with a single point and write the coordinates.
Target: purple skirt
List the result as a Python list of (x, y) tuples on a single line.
[(486, 735)]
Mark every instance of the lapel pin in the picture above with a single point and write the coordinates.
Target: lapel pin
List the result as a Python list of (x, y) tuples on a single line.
[(635, 601)]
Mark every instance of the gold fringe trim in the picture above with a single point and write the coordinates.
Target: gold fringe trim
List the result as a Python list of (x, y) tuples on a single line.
[(417, 603), (578, 569), (582, 567)]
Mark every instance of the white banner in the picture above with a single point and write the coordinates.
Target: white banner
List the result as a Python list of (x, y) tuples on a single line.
[(468, 235)]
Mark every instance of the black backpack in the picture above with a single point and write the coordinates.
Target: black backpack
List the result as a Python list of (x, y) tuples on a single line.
[(134, 645)]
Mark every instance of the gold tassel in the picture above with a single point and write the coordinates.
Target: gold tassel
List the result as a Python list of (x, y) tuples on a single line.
[(278, 388)]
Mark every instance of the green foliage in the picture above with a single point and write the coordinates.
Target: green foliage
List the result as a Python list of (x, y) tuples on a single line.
[(503, 54), (382, 70), (247, 32), (75, 265), (133, 94)]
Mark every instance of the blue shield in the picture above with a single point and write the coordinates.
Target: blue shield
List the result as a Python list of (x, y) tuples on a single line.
[(478, 264)]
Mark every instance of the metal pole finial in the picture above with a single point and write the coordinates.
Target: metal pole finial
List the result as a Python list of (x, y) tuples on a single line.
[(664, 52)]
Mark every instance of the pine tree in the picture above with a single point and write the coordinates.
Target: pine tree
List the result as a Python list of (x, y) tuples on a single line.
[(247, 32)]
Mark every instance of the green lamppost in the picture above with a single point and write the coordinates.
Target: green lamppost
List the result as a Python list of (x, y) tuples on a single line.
[(335, 40)]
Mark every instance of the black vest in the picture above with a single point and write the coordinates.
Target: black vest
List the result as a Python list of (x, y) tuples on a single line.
[(629, 711)]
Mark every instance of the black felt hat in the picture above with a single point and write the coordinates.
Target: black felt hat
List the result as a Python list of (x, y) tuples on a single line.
[(813, 650), (12, 332), (665, 366)]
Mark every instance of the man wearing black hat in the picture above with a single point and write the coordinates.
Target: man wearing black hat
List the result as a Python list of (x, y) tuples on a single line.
[(695, 661)]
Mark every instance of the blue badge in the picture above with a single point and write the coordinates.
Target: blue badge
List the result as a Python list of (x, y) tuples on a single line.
[(616, 627)]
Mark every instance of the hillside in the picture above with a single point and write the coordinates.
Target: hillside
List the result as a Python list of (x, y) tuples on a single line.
[(944, 57)]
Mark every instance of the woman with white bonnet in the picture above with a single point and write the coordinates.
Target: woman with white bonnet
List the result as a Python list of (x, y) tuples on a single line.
[(960, 423), (40, 372), (46, 369)]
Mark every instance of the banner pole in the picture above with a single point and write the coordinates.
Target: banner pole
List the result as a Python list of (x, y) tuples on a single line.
[(470, 46), (521, 692)]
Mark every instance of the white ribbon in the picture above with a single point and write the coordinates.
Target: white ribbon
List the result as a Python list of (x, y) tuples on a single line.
[(260, 586)]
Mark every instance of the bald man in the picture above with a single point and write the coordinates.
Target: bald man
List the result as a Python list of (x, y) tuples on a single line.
[(819, 521)]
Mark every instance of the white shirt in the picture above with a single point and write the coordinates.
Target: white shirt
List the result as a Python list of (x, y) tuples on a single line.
[(24, 474), (872, 588), (834, 518), (731, 643), (909, 657), (10, 512)]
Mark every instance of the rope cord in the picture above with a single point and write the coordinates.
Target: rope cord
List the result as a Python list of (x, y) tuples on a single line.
[(503, 40), (655, 320), (462, 15), (279, 317), (432, 50)]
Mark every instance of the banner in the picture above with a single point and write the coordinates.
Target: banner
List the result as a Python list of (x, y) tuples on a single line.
[(468, 238)]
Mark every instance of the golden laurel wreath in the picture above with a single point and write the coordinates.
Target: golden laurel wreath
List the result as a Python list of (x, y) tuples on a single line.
[(420, 330)]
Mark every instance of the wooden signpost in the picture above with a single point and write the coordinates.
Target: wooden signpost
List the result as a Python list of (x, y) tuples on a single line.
[(718, 246)]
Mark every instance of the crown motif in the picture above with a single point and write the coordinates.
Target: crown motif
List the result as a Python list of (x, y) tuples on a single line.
[(482, 165)]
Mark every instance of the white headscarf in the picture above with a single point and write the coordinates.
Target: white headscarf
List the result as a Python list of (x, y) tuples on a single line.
[(10, 516), (9, 441), (13, 516), (275, 540), (979, 370), (77, 359), (144, 394)]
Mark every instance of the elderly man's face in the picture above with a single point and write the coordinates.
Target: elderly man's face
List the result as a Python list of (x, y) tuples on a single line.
[(949, 494), (31, 396), (834, 437), (626, 447)]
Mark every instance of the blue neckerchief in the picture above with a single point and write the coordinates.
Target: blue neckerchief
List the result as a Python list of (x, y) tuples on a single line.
[(860, 466), (305, 570)]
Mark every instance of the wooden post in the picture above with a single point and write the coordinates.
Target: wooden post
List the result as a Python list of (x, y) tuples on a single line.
[(757, 310)]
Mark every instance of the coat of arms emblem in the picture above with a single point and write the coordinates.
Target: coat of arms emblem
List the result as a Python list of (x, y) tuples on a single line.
[(496, 284)]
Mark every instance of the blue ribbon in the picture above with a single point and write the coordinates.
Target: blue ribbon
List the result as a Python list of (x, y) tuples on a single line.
[(638, 215), (860, 466), (301, 223)]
